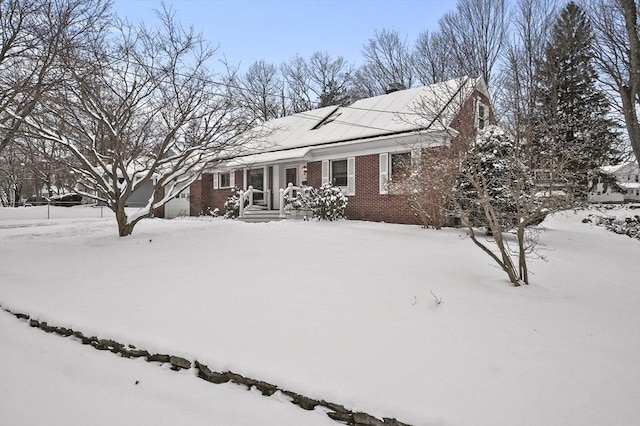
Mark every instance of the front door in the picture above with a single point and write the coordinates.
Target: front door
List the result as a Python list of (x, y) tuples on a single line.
[(291, 176)]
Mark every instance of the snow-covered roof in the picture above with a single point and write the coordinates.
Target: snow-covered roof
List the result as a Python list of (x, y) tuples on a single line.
[(623, 168), (428, 108), (630, 185)]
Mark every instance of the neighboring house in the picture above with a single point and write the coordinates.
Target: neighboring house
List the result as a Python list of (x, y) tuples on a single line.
[(627, 179), (357, 147)]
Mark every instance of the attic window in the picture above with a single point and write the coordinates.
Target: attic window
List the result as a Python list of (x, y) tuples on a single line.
[(328, 119), (482, 115)]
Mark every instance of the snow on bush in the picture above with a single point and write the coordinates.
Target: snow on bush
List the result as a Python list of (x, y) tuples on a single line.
[(326, 203), (625, 226), (295, 202), (232, 205)]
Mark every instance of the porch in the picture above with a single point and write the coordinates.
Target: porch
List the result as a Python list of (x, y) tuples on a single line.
[(259, 206)]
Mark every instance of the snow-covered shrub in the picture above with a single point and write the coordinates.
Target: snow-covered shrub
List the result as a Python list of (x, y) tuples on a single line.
[(326, 203), (215, 212), (232, 205), (296, 202), (629, 226)]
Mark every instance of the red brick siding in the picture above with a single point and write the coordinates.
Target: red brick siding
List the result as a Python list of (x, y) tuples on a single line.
[(368, 203), (195, 197), (465, 121), (314, 174), (215, 198)]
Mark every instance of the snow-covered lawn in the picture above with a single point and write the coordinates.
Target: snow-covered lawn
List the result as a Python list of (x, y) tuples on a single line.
[(338, 311)]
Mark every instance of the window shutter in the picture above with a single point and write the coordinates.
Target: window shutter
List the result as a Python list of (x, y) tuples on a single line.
[(215, 181), (351, 176), (384, 172), (232, 179), (325, 171)]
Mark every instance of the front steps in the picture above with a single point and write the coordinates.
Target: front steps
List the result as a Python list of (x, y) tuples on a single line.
[(260, 215)]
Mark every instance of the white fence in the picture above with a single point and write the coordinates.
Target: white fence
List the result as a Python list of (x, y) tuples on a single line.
[(84, 211)]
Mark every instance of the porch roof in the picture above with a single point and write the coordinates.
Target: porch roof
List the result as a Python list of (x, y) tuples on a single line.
[(268, 157)]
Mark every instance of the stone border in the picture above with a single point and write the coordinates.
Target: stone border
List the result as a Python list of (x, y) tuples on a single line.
[(336, 412)]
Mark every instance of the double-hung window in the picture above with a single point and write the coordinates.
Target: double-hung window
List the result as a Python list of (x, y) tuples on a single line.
[(223, 180), (400, 165), (340, 173)]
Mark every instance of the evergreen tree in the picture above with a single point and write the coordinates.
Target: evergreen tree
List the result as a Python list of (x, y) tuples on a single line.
[(573, 136), (492, 175)]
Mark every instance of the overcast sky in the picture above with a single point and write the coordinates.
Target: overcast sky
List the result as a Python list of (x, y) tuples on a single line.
[(250, 30)]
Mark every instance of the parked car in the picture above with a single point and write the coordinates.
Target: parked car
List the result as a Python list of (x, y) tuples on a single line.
[(66, 200), (36, 201)]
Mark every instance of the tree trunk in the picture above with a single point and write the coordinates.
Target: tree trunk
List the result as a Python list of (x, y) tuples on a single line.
[(124, 227), (630, 94), (523, 270)]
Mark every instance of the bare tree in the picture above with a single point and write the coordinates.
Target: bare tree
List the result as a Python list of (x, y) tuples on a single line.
[(428, 184), (260, 92), (476, 34), (33, 33), (617, 54), (531, 24), (387, 60), (330, 79), (138, 108), (496, 190), (296, 76), (432, 58)]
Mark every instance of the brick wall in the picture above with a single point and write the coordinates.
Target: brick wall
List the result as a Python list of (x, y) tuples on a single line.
[(314, 174), (465, 121), (368, 203), (214, 198), (195, 197)]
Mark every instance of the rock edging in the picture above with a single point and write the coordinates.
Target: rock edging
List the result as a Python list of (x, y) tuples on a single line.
[(335, 411)]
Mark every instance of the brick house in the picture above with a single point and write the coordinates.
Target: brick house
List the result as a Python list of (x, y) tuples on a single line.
[(356, 147)]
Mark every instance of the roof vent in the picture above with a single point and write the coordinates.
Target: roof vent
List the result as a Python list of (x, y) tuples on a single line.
[(394, 87)]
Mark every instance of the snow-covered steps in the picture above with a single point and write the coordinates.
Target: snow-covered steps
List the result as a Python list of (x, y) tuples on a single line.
[(260, 215)]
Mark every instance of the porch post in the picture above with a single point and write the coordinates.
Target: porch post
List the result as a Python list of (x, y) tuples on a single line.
[(241, 193), (281, 202)]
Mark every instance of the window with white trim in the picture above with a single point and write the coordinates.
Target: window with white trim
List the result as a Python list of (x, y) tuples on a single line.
[(482, 115), (339, 172), (224, 180), (400, 165)]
